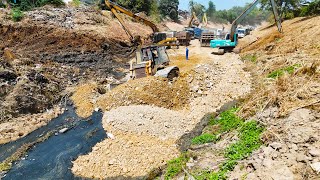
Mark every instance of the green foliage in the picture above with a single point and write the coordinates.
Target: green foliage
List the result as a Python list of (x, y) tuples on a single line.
[(211, 9), (76, 3), (250, 57), (249, 140), (169, 8), (312, 9), (295, 8), (204, 138), (249, 135), (175, 166), (208, 175), (256, 16), (229, 120), (16, 14), (279, 72), (198, 8), (137, 5), (26, 5), (2, 5)]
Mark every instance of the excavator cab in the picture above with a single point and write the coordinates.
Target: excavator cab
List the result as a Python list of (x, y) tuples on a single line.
[(152, 60)]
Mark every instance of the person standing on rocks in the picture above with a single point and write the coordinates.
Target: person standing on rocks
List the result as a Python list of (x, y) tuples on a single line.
[(187, 53)]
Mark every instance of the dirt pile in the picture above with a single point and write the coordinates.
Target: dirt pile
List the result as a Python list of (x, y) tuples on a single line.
[(133, 157), (151, 91)]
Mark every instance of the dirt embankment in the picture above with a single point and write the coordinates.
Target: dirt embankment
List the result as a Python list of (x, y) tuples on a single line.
[(52, 49), (286, 99)]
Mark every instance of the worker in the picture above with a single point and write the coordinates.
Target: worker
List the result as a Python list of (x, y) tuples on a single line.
[(187, 53)]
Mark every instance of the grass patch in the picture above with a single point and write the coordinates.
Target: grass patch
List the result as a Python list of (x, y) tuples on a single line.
[(16, 14), (279, 72), (249, 140), (250, 57), (249, 135), (228, 121), (204, 138), (175, 166)]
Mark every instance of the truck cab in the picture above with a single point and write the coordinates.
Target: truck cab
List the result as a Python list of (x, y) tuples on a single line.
[(241, 33)]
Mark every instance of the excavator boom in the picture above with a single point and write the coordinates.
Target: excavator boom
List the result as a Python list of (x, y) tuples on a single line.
[(194, 18), (237, 21), (115, 7)]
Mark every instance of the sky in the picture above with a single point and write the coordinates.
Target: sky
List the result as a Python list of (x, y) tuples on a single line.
[(220, 4)]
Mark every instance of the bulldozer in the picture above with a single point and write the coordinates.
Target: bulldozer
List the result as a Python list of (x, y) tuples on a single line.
[(151, 58)]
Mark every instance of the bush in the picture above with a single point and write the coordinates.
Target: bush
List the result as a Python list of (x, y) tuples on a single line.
[(76, 3), (27, 5), (2, 5), (16, 14)]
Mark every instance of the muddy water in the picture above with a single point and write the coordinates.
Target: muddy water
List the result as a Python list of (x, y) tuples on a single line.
[(52, 159)]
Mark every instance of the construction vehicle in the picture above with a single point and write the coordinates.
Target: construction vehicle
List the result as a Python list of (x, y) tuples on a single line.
[(204, 20), (206, 37), (150, 58), (194, 21), (231, 40)]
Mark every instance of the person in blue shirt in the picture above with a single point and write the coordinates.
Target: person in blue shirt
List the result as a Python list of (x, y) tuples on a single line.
[(187, 53)]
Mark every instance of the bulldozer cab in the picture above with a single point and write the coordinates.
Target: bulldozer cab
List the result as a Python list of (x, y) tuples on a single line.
[(153, 57), (157, 54)]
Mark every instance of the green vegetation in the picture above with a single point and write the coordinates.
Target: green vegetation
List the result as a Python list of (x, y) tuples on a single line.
[(249, 140), (204, 138), (227, 122), (76, 3), (26, 5), (169, 8), (175, 166), (2, 5), (295, 8), (279, 72), (228, 16), (250, 57), (249, 135), (16, 14)]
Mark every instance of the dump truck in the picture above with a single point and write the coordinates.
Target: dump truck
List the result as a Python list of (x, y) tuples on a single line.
[(206, 37), (184, 38)]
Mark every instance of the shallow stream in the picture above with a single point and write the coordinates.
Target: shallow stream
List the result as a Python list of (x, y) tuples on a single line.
[(52, 159)]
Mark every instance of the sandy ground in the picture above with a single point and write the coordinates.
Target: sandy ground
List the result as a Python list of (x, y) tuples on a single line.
[(213, 81), (22, 126)]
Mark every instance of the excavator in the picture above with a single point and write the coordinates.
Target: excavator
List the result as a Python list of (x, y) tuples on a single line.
[(231, 40), (194, 21), (151, 58)]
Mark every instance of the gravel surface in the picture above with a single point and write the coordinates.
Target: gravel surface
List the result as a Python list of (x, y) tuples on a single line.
[(156, 121)]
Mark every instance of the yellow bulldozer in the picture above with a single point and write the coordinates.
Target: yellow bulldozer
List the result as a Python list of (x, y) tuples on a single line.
[(151, 58)]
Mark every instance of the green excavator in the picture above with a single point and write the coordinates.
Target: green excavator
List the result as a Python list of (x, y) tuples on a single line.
[(230, 42)]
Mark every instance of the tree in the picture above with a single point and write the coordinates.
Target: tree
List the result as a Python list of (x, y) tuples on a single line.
[(198, 8), (169, 8), (211, 9)]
